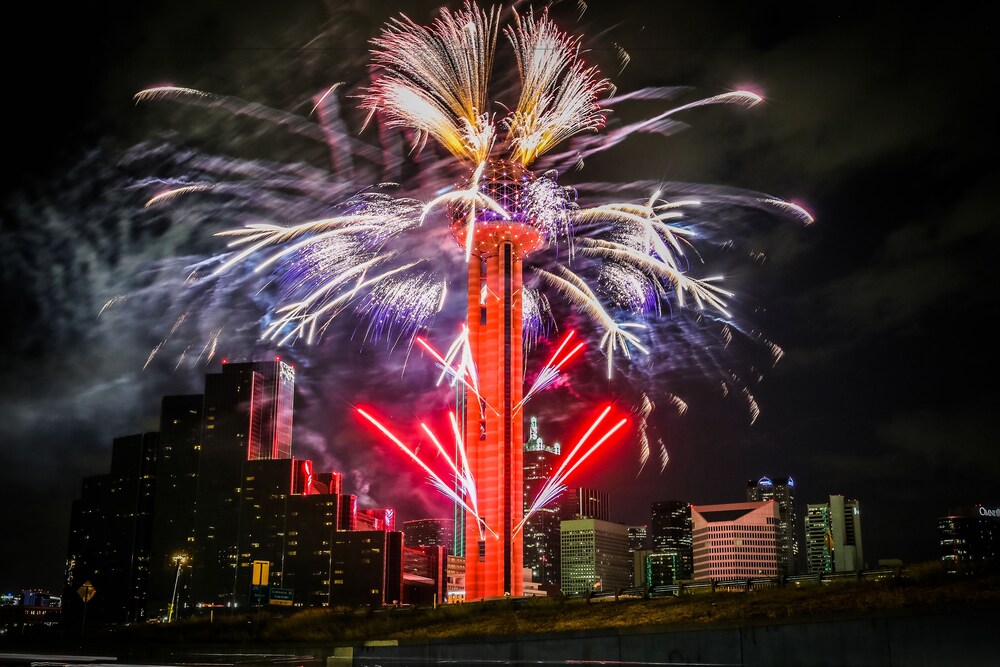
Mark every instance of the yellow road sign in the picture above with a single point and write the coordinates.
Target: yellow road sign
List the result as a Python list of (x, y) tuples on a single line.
[(86, 591), (261, 572)]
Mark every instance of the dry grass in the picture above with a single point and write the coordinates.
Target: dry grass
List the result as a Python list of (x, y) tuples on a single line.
[(931, 593)]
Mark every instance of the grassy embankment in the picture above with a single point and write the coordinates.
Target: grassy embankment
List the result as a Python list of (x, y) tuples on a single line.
[(924, 589)]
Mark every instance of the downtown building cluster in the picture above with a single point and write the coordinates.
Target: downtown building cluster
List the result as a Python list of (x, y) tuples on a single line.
[(756, 538), (213, 511)]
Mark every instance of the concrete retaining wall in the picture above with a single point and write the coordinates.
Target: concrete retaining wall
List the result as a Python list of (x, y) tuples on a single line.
[(964, 639)]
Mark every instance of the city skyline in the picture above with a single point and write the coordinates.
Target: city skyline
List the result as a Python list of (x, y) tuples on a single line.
[(869, 401)]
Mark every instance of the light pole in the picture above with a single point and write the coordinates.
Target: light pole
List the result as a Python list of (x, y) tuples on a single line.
[(180, 560)]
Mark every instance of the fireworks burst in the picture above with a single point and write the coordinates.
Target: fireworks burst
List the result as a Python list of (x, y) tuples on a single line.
[(625, 266)]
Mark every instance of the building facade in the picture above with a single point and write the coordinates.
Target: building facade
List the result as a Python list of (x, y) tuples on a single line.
[(969, 539), (671, 535), (244, 421), (594, 556), (833, 536), (429, 533), (111, 536), (185, 514), (651, 569), (174, 501), (541, 531), (735, 541), (638, 540), (782, 491), (494, 437), (583, 503), (367, 568)]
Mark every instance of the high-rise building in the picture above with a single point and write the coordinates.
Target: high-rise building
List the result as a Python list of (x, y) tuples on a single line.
[(735, 540), (176, 489), (819, 539), (494, 436), (429, 533), (651, 569), (833, 536), (382, 518), (218, 486), (638, 540), (367, 568), (969, 538), (782, 491), (111, 535), (671, 536), (247, 418), (310, 526), (254, 501), (594, 555), (541, 531), (425, 576), (455, 574), (583, 503)]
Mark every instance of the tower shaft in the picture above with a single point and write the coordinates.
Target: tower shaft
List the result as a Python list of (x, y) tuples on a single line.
[(493, 434)]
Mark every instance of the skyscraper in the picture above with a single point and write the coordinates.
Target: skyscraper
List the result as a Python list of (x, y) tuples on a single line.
[(584, 503), (379, 518), (671, 536), (541, 531), (833, 536), (310, 523), (211, 487), (429, 533), (176, 489), (782, 491), (111, 533), (638, 538), (594, 556), (247, 418), (257, 503), (969, 538), (735, 540), (493, 428), (638, 541), (367, 568)]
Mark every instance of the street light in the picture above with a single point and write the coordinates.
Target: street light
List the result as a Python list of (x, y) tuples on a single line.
[(180, 560)]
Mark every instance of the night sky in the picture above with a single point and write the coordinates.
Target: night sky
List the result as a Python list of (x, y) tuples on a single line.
[(879, 121)]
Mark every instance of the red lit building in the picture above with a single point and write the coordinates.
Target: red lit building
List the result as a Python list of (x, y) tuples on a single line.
[(493, 433), (429, 533)]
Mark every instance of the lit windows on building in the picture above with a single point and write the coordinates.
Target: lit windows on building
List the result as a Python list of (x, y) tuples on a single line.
[(782, 491), (541, 530), (833, 536), (735, 541), (594, 556), (969, 539), (670, 534)]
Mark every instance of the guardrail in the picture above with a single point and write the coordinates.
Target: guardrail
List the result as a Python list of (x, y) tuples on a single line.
[(693, 587)]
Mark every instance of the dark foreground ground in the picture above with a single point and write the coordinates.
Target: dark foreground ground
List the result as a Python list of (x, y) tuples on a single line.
[(920, 589)]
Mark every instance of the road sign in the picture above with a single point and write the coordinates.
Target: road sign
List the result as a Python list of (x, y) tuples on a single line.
[(261, 571), (258, 594), (282, 596), (86, 591)]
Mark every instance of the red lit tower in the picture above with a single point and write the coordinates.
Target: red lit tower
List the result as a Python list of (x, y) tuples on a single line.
[(493, 434)]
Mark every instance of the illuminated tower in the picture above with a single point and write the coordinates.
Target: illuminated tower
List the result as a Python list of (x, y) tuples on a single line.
[(782, 491), (493, 432)]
